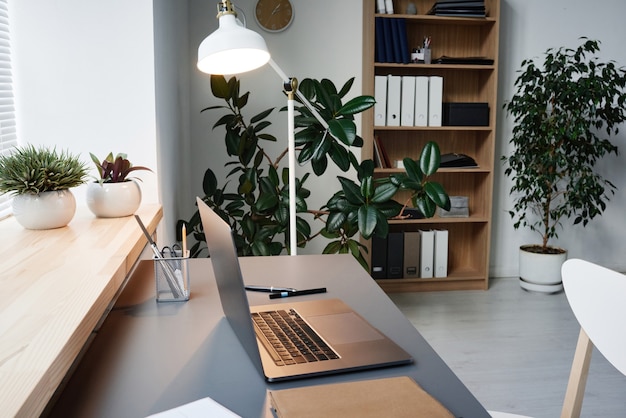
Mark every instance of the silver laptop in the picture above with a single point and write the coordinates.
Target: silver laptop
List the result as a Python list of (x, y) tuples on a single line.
[(330, 336)]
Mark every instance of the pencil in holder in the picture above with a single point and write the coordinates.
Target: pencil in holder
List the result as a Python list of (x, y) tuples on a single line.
[(172, 279)]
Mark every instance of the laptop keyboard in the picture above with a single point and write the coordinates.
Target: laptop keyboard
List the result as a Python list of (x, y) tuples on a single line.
[(289, 339)]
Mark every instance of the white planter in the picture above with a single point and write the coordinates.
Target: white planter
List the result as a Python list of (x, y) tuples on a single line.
[(113, 200), (541, 272), (46, 210)]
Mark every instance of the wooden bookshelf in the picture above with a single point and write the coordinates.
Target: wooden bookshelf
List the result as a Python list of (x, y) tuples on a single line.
[(469, 238)]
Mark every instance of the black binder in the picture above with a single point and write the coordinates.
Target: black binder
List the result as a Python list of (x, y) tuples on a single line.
[(379, 257), (395, 255)]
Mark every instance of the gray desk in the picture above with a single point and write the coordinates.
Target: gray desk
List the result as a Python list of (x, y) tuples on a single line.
[(149, 357)]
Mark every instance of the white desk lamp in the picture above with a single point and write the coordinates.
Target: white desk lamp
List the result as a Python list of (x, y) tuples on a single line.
[(234, 49)]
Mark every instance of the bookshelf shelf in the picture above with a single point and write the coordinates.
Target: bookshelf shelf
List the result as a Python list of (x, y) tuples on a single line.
[(460, 37)]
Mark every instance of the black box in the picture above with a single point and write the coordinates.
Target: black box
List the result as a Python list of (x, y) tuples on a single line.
[(466, 114)]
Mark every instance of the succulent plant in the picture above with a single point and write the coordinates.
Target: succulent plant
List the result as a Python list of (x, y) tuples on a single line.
[(115, 169), (33, 170)]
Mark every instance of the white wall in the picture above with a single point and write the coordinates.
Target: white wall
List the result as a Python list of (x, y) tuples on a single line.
[(84, 74), (85, 79), (527, 29), (324, 41)]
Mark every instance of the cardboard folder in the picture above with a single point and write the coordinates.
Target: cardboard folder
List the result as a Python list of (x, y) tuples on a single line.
[(397, 397)]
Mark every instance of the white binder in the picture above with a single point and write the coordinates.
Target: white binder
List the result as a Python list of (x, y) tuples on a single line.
[(441, 253), (380, 95), (407, 109), (394, 91), (421, 101), (427, 249), (435, 98)]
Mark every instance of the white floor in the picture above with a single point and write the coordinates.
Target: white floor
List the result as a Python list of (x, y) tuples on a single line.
[(513, 349)]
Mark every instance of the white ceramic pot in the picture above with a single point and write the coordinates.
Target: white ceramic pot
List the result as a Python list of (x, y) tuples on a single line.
[(46, 210), (541, 272), (113, 200)]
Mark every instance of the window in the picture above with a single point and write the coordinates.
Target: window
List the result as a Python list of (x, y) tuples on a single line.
[(8, 136)]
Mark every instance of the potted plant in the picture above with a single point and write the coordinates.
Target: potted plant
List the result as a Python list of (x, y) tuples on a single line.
[(565, 113), (255, 198), (114, 194), (40, 179)]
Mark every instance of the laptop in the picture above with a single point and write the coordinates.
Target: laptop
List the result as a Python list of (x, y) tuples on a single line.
[(335, 338)]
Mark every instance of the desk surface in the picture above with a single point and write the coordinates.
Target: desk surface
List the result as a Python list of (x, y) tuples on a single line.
[(149, 356), (54, 287)]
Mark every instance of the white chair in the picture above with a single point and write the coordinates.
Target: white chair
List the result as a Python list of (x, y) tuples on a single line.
[(597, 296)]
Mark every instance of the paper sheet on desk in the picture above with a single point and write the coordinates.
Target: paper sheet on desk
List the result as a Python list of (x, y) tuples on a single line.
[(205, 407)]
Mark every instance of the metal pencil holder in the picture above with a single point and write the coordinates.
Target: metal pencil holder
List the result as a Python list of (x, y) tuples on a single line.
[(172, 279)]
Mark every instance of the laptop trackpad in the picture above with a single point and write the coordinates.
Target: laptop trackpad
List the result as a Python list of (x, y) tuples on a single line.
[(344, 328)]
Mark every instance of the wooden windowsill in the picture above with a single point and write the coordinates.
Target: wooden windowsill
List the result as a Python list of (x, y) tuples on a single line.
[(55, 285)]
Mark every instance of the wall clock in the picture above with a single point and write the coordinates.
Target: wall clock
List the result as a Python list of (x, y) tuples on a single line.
[(274, 15)]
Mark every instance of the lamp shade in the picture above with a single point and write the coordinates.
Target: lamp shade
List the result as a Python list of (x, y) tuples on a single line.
[(232, 49)]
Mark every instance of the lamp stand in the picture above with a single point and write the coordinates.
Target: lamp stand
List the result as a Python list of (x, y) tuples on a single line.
[(290, 87)]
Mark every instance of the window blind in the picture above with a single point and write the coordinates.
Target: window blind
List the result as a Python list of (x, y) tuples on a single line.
[(8, 134)]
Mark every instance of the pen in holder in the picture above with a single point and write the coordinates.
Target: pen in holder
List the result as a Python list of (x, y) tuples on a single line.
[(172, 278)]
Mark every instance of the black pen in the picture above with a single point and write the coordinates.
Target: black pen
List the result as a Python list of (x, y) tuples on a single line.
[(297, 293), (270, 289)]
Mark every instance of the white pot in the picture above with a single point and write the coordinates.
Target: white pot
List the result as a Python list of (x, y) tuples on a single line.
[(46, 210), (113, 200), (541, 272)]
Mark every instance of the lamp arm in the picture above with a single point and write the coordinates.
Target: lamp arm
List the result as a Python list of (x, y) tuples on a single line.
[(304, 100)]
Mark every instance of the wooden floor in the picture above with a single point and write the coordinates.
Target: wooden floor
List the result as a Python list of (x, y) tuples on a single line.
[(513, 349)]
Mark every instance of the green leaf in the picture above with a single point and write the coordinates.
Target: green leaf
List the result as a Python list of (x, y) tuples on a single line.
[(209, 183), (243, 100), (335, 220), (307, 88), (413, 171), (261, 115), (346, 87), (430, 158), (343, 129), (319, 165), (368, 218), (367, 188), (384, 192), (266, 201), (340, 156), (219, 87), (426, 206), (437, 194), (332, 247), (357, 105), (351, 191)]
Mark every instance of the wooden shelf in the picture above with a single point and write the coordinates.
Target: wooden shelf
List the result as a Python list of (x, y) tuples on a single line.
[(469, 238), (442, 20), (433, 128), (464, 67)]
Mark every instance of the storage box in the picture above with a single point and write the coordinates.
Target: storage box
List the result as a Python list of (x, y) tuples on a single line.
[(459, 208), (466, 114)]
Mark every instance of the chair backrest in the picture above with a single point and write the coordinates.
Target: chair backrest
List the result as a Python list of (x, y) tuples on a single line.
[(597, 296)]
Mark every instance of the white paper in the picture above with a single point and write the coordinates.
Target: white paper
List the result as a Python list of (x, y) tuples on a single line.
[(205, 407)]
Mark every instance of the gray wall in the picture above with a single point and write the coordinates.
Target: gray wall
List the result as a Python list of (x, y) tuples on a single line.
[(325, 41), (172, 70), (102, 78), (527, 29)]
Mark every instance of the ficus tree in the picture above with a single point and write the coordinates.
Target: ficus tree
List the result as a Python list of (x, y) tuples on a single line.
[(566, 112)]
